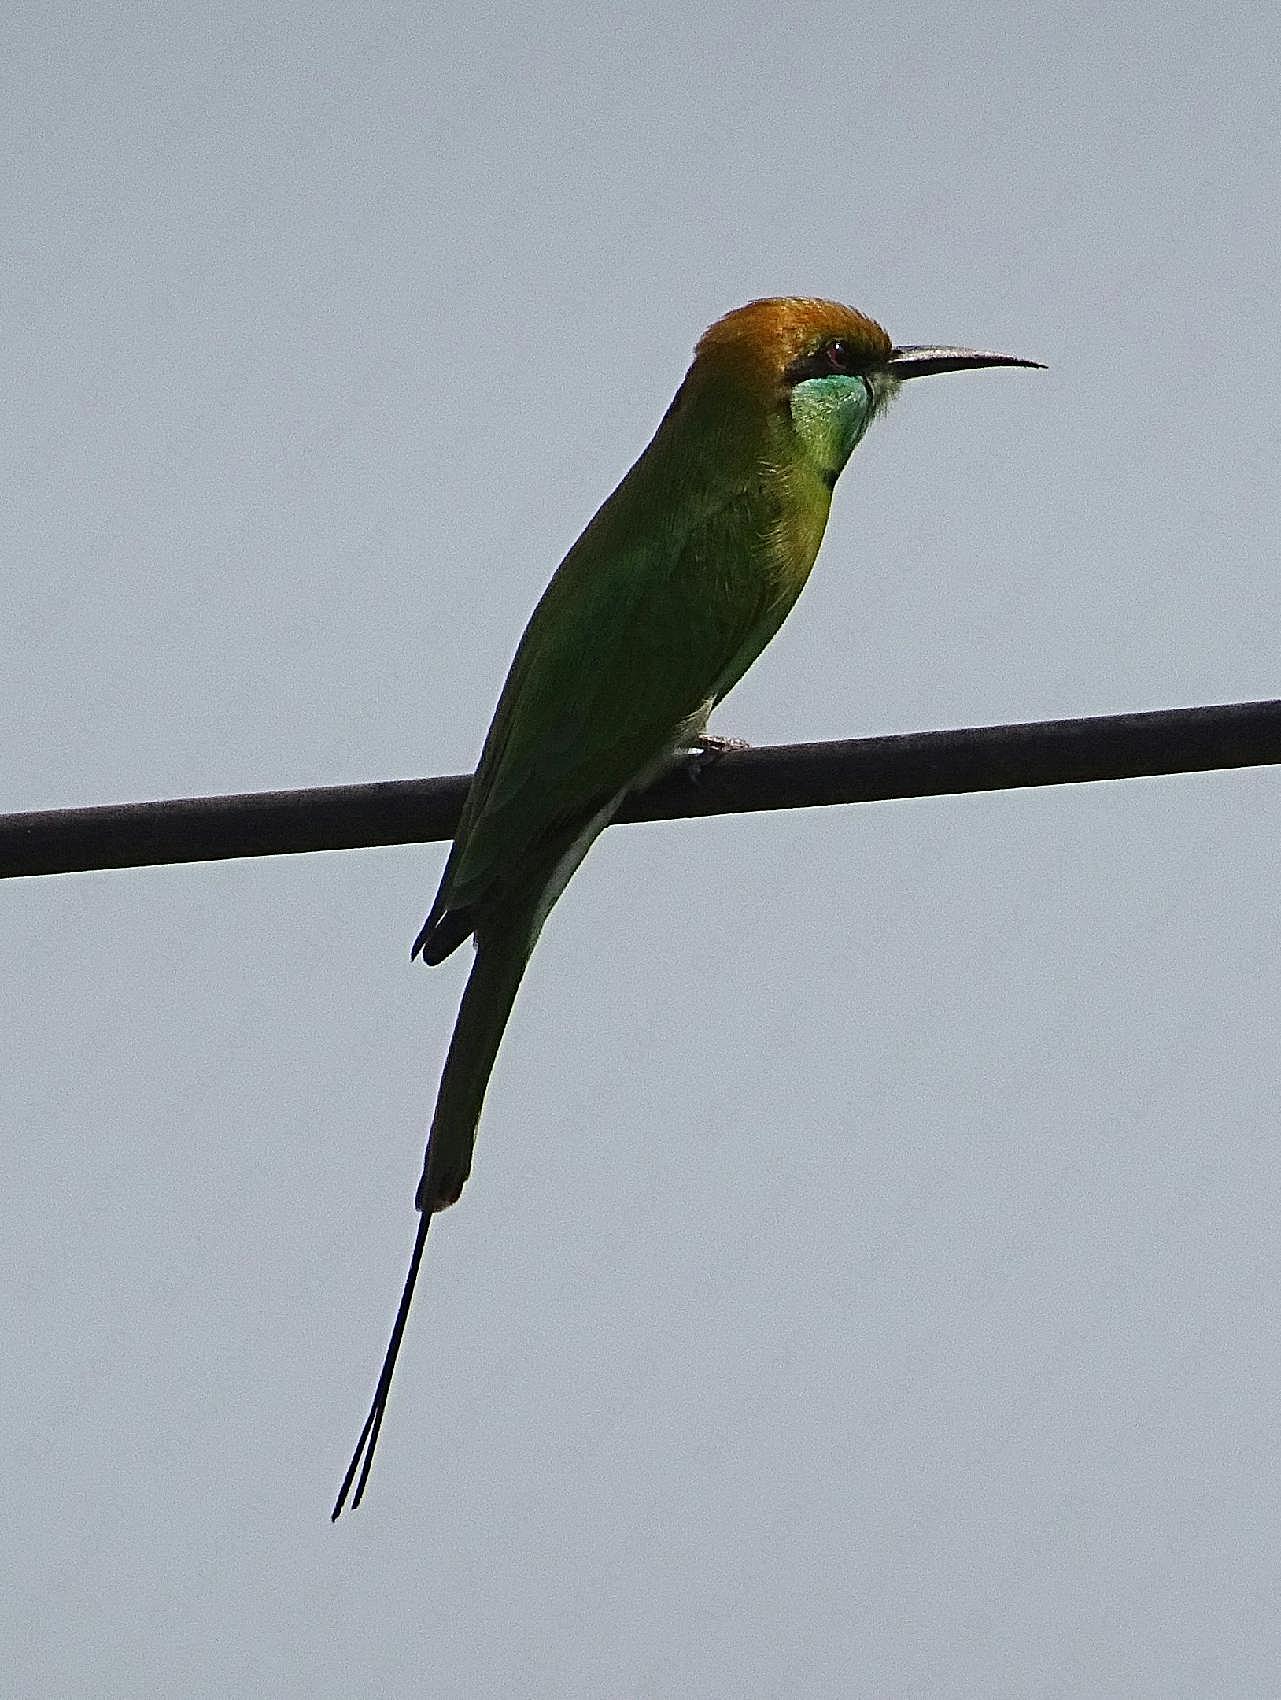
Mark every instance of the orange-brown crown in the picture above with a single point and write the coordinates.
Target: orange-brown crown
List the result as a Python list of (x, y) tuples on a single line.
[(755, 345)]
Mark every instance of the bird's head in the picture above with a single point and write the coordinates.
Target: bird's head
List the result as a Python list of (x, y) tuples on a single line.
[(825, 368)]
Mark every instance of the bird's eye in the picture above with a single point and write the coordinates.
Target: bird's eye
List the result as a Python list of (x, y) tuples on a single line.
[(839, 357)]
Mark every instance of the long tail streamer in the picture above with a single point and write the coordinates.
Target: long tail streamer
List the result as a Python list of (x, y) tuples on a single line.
[(363, 1457)]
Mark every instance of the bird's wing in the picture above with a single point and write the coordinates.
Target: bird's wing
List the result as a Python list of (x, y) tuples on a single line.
[(631, 644)]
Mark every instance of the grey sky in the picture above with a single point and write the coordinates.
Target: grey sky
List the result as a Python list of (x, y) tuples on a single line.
[(869, 1280)]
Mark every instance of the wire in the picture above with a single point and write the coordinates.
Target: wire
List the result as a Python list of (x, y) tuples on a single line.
[(782, 776)]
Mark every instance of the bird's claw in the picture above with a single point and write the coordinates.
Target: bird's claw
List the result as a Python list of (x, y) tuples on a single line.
[(702, 751)]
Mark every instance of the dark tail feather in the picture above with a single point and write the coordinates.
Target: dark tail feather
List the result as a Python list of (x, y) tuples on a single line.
[(482, 1016)]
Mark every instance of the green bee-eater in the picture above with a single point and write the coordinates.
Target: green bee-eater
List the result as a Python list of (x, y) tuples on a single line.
[(669, 595)]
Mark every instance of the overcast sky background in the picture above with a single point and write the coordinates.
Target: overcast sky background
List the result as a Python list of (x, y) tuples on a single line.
[(869, 1280)]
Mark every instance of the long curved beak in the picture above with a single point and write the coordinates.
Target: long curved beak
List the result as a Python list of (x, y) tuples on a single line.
[(919, 361)]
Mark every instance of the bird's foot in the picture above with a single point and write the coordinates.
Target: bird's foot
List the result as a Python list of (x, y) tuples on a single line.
[(709, 747)]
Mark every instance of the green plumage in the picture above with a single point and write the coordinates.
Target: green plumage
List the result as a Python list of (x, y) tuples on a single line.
[(666, 599)]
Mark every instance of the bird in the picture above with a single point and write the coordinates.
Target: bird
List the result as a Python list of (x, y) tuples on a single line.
[(669, 595)]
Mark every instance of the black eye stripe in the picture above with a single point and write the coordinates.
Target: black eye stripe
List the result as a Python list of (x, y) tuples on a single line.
[(836, 357)]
